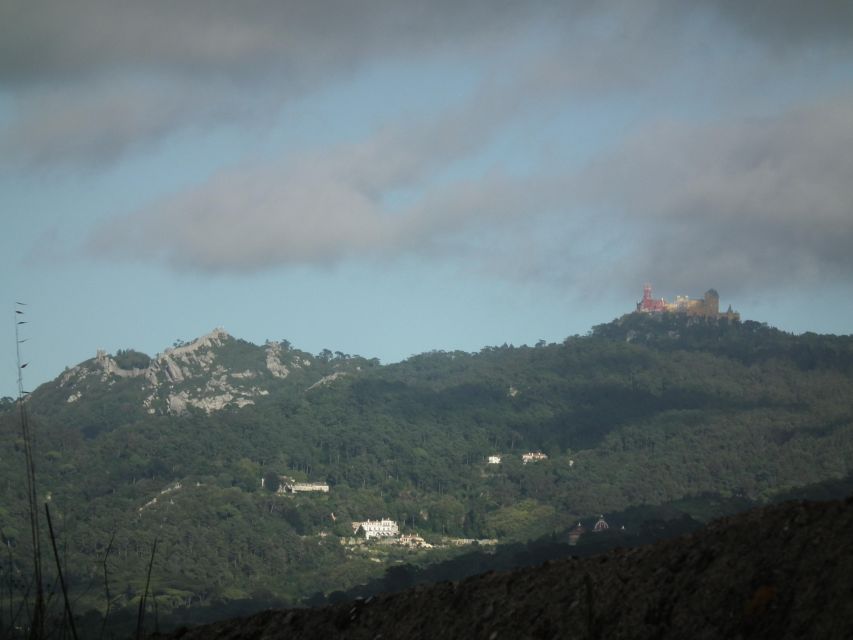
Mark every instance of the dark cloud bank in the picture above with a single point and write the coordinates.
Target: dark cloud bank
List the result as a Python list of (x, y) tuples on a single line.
[(94, 79), (742, 201)]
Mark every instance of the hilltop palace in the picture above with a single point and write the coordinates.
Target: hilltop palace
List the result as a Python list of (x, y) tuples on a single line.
[(705, 307)]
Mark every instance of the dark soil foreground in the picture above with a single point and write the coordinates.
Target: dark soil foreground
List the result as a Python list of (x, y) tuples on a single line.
[(778, 572)]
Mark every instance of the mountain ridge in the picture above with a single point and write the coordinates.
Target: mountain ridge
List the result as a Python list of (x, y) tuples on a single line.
[(186, 362), (682, 409), (209, 373)]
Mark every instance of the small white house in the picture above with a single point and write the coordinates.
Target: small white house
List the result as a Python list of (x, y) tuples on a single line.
[(494, 459)]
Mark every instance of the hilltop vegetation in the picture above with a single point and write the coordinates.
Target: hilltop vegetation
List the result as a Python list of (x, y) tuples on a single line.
[(642, 411)]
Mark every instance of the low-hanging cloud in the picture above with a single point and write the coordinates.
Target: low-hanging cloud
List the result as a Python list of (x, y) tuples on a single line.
[(248, 222), (746, 202)]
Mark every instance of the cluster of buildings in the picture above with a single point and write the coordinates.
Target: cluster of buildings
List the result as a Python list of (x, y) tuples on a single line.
[(707, 306), (530, 456)]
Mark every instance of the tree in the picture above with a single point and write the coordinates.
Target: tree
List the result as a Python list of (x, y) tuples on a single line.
[(271, 481), (247, 475)]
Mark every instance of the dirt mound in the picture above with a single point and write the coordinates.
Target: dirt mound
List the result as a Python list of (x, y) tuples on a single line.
[(778, 572)]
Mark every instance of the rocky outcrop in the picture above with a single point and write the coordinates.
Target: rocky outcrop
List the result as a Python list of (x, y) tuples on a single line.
[(175, 364), (327, 379), (216, 394), (780, 572), (274, 364), (175, 367), (191, 376), (172, 370)]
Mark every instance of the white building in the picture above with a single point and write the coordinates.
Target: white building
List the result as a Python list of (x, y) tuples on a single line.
[(384, 528), (494, 459), (533, 456), (289, 485)]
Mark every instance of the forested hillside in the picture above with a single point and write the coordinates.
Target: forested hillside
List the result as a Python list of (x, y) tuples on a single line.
[(760, 574), (642, 411)]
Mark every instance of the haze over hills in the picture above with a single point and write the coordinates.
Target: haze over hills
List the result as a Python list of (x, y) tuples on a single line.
[(190, 446)]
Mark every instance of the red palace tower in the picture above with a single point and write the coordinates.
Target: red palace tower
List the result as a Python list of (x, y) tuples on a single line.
[(648, 304)]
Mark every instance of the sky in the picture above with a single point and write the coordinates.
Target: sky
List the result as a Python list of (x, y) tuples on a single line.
[(389, 177)]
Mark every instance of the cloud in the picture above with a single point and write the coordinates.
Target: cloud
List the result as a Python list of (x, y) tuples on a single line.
[(734, 202), (791, 24), (45, 40), (61, 125), (749, 202), (93, 80), (323, 207)]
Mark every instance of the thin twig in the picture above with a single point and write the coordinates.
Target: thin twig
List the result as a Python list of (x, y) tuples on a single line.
[(37, 628), (11, 575), (59, 569), (107, 584), (141, 615), (23, 606)]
